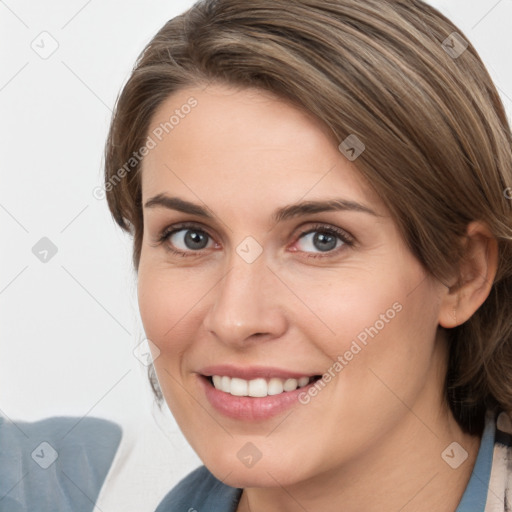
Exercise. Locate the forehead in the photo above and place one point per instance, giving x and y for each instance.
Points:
(246, 144)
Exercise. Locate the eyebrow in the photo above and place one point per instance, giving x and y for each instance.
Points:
(279, 215)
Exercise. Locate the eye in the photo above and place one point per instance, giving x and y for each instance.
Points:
(324, 239)
(184, 239)
(190, 239)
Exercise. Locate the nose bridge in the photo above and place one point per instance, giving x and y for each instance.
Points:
(246, 299)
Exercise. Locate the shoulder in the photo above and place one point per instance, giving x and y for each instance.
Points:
(150, 460)
(200, 490)
(500, 481)
(504, 429)
(55, 464)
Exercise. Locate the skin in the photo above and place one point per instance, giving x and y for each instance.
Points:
(372, 439)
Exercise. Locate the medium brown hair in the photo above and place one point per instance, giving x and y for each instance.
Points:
(392, 73)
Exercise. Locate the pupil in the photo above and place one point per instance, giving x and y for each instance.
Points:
(193, 239)
(324, 244)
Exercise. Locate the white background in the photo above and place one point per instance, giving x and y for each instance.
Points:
(68, 326)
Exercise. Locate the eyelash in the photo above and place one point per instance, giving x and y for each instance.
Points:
(345, 237)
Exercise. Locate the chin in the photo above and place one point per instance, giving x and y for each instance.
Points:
(272, 472)
(242, 477)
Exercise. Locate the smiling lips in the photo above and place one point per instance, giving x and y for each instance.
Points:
(253, 394)
(259, 387)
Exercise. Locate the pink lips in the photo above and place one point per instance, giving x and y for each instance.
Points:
(249, 373)
(245, 407)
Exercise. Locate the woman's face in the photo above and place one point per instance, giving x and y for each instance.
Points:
(267, 291)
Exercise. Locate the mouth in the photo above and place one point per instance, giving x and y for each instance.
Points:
(255, 394)
(259, 387)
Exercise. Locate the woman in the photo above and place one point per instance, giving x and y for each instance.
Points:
(317, 192)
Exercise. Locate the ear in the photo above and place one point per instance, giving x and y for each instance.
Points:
(475, 279)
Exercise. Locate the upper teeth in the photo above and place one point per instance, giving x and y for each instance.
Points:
(257, 387)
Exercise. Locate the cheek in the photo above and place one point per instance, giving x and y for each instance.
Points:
(164, 300)
(172, 307)
(351, 307)
(389, 351)
(386, 320)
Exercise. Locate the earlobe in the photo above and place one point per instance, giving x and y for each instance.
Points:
(448, 313)
(477, 272)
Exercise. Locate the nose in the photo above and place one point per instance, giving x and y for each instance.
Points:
(246, 304)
